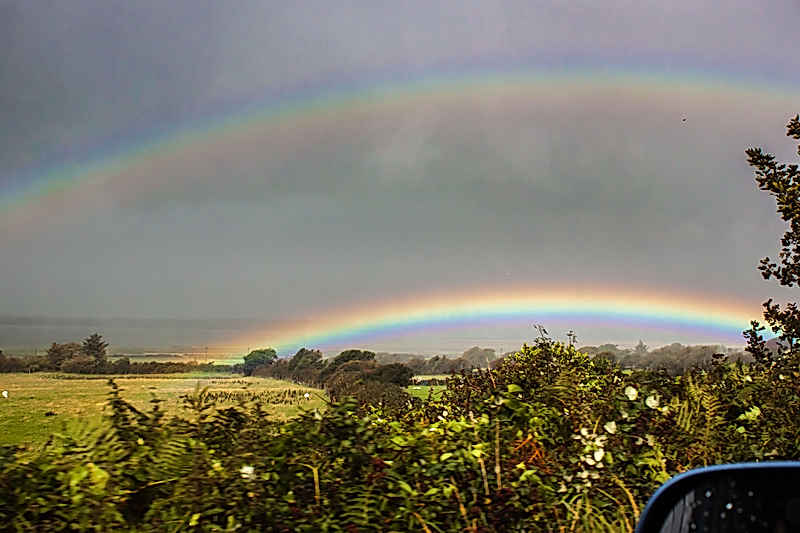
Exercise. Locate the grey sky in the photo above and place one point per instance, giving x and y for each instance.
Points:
(608, 189)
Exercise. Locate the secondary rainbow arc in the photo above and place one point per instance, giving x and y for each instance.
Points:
(124, 168)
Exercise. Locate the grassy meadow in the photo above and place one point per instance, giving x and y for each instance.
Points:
(40, 404)
(422, 391)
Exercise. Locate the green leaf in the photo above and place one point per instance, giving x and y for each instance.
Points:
(406, 487)
(399, 440)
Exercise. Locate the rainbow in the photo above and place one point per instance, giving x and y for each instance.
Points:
(646, 308)
(292, 122)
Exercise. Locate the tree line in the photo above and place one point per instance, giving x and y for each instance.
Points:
(91, 357)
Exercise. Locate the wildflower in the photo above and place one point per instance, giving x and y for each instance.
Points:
(247, 471)
(631, 393)
(651, 401)
(610, 427)
(140, 441)
(598, 454)
(5, 394)
(307, 396)
(444, 414)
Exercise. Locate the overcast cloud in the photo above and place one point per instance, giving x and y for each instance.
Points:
(602, 188)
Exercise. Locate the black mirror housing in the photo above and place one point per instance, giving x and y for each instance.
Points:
(739, 497)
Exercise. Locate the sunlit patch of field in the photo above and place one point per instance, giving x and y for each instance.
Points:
(426, 377)
(422, 391)
(40, 404)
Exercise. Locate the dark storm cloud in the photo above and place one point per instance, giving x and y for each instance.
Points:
(602, 190)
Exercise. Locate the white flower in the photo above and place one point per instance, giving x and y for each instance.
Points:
(651, 401)
(444, 413)
(247, 471)
(5, 394)
(631, 393)
(598, 455)
(307, 396)
(610, 427)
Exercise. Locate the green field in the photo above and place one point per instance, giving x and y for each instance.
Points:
(421, 391)
(42, 403)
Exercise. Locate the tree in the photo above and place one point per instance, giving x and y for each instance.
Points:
(256, 358)
(344, 357)
(305, 358)
(479, 357)
(95, 347)
(641, 348)
(783, 182)
(396, 373)
(58, 353)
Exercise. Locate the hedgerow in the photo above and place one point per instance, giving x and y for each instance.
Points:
(552, 439)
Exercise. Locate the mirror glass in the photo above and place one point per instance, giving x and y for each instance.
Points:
(750, 498)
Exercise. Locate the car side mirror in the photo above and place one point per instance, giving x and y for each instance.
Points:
(751, 497)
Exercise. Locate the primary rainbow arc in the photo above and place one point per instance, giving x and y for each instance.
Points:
(369, 322)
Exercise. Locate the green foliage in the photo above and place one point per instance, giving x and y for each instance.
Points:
(305, 359)
(58, 353)
(345, 357)
(93, 346)
(552, 439)
(783, 182)
(257, 358)
(395, 373)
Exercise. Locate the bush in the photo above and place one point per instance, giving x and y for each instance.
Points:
(81, 364)
(549, 440)
(395, 373)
